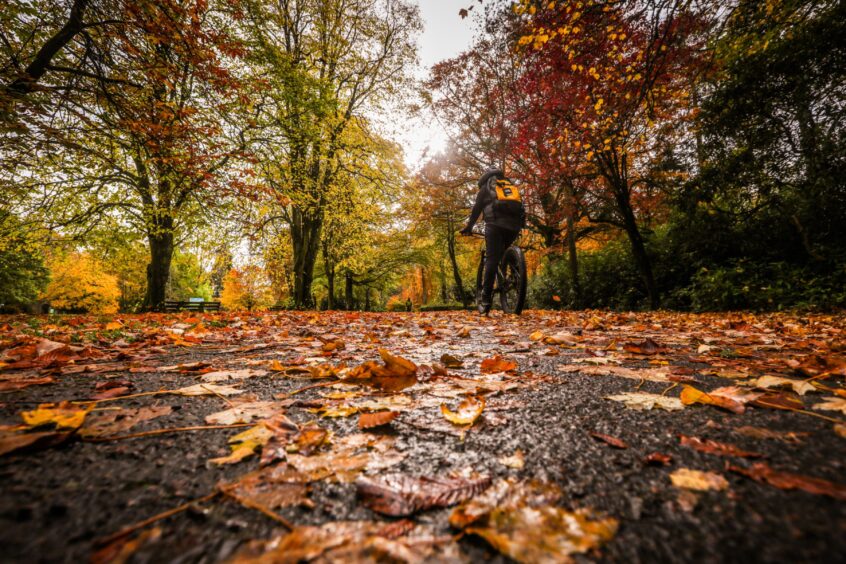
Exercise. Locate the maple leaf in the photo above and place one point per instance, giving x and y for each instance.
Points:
(497, 364)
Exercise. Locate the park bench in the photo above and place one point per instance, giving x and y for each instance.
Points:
(172, 305)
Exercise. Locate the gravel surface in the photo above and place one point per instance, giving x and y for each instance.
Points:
(57, 502)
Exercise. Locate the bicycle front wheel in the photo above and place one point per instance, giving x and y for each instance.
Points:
(512, 281)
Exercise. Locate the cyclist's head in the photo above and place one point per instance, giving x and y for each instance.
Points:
(490, 172)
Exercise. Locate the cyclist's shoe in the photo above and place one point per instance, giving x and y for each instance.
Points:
(484, 306)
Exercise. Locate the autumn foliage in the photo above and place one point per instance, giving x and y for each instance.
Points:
(246, 288)
(78, 283)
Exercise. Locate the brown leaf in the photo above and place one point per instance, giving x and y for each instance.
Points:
(608, 439)
(377, 419)
(713, 447)
(450, 361)
(647, 346)
(762, 472)
(9, 383)
(762, 433)
(778, 401)
(400, 494)
(105, 423)
(658, 459)
(15, 438)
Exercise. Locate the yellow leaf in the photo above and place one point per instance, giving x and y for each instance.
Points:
(698, 480)
(64, 415)
(468, 412)
(245, 444)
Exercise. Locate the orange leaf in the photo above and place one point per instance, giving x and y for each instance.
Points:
(370, 420)
(691, 395)
(468, 411)
(497, 364)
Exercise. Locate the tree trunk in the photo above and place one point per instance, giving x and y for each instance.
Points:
(573, 260)
(456, 274)
(641, 258)
(305, 237)
(367, 299)
(348, 290)
(158, 270)
(442, 276)
(330, 278)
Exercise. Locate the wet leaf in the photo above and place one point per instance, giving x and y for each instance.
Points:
(645, 401)
(691, 395)
(122, 549)
(698, 480)
(468, 411)
(207, 390)
(377, 419)
(10, 383)
(115, 422)
(762, 472)
(497, 364)
(832, 404)
(227, 375)
(658, 459)
(450, 361)
(16, 438)
(245, 413)
(799, 386)
(761, 433)
(609, 440)
(516, 460)
(713, 447)
(63, 415)
(401, 494)
(245, 444)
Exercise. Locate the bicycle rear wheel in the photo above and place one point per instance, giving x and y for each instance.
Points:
(511, 280)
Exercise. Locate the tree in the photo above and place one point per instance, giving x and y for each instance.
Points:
(325, 64)
(22, 271)
(246, 288)
(78, 283)
(620, 73)
(145, 135)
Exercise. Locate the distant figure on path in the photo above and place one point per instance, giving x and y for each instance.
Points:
(505, 217)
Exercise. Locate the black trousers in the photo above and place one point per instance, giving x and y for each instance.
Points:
(497, 241)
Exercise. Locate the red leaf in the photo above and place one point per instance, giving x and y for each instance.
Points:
(713, 447)
(613, 441)
(762, 472)
(370, 420)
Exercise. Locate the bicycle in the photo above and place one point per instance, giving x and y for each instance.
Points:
(510, 282)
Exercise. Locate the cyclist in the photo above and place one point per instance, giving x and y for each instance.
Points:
(505, 217)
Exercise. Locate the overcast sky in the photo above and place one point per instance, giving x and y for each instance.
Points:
(445, 35)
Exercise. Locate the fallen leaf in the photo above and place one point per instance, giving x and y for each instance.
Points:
(245, 413)
(245, 444)
(207, 390)
(121, 550)
(114, 422)
(658, 459)
(778, 400)
(643, 400)
(227, 375)
(608, 439)
(377, 419)
(468, 411)
(713, 447)
(761, 433)
(516, 460)
(649, 374)
(450, 361)
(647, 347)
(16, 438)
(63, 415)
(698, 480)
(497, 364)
(840, 429)
(762, 472)
(832, 404)
(691, 395)
(801, 387)
(10, 383)
(400, 494)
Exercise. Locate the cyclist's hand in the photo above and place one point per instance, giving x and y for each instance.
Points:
(467, 231)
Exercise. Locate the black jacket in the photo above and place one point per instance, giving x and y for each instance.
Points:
(484, 205)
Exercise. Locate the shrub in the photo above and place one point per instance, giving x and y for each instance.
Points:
(78, 284)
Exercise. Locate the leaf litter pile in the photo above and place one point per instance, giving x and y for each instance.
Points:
(423, 437)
